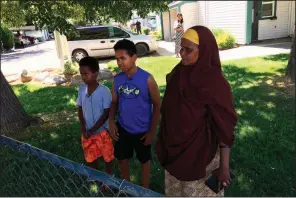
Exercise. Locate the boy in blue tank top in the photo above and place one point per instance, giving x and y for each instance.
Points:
(136, 101)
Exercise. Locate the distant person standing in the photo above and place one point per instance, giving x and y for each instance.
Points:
(179, 32)
(18, 34)
(153, 25)
(138, 26)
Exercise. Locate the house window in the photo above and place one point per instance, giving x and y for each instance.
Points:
(268, 9)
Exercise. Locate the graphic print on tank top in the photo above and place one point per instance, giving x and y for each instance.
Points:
(129, 91)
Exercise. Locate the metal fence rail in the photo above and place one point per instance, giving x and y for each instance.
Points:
(28, 171)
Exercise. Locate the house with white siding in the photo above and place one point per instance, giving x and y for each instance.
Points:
(248, 21)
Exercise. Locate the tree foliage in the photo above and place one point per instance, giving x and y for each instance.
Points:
(61, 15)
(55, 15)
(6, 38)
(12, 14)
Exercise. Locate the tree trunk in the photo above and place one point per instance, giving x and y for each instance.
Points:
(290, 72)
(13, 118)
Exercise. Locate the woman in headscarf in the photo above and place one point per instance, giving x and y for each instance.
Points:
(198, 119)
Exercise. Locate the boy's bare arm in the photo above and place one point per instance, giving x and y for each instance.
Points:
(114, 105)
(155, 96)
(113, 130)
(101, 121)
(80, 117)
(82, 121)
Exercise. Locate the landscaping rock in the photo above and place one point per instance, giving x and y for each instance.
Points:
(68, 76)
(13, 78)
(58, 80)
(25, 77)
(105, 74)
(24, 72)
(76, 80)
(41, 77)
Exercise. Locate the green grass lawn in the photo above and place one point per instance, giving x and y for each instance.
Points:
(262, 157)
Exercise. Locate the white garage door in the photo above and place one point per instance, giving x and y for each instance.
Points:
(190, 14)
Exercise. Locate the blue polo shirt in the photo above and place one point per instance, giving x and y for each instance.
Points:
(93, 105)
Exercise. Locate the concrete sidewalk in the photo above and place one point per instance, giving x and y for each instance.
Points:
(168, 49)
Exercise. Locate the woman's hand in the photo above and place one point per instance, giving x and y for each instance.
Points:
(223, 173)
(223, 177)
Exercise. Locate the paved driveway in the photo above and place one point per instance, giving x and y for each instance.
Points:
(36, 57)
(43, 56)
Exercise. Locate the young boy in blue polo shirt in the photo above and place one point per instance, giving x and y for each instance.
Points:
(93, 104)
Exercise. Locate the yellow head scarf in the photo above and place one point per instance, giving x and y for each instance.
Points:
(192, 36)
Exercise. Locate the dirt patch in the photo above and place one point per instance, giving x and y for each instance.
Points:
(283, 84)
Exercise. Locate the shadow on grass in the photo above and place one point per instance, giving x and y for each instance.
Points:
(17, 56)
(43, 100)
(263, 149)
(263, 154)
(277, 57)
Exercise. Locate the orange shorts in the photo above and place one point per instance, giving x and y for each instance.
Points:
(99, 145)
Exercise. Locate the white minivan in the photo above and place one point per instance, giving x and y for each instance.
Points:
(98, 41)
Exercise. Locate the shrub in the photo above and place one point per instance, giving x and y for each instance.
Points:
(146, 31)
(154, 33)
(70, 68)
(6, 37)
(217, 32)
(225, 39)
(157, 35)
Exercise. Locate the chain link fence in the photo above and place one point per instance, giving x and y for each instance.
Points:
(29, 171)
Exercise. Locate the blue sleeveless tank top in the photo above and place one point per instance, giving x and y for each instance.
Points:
(135, 104)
